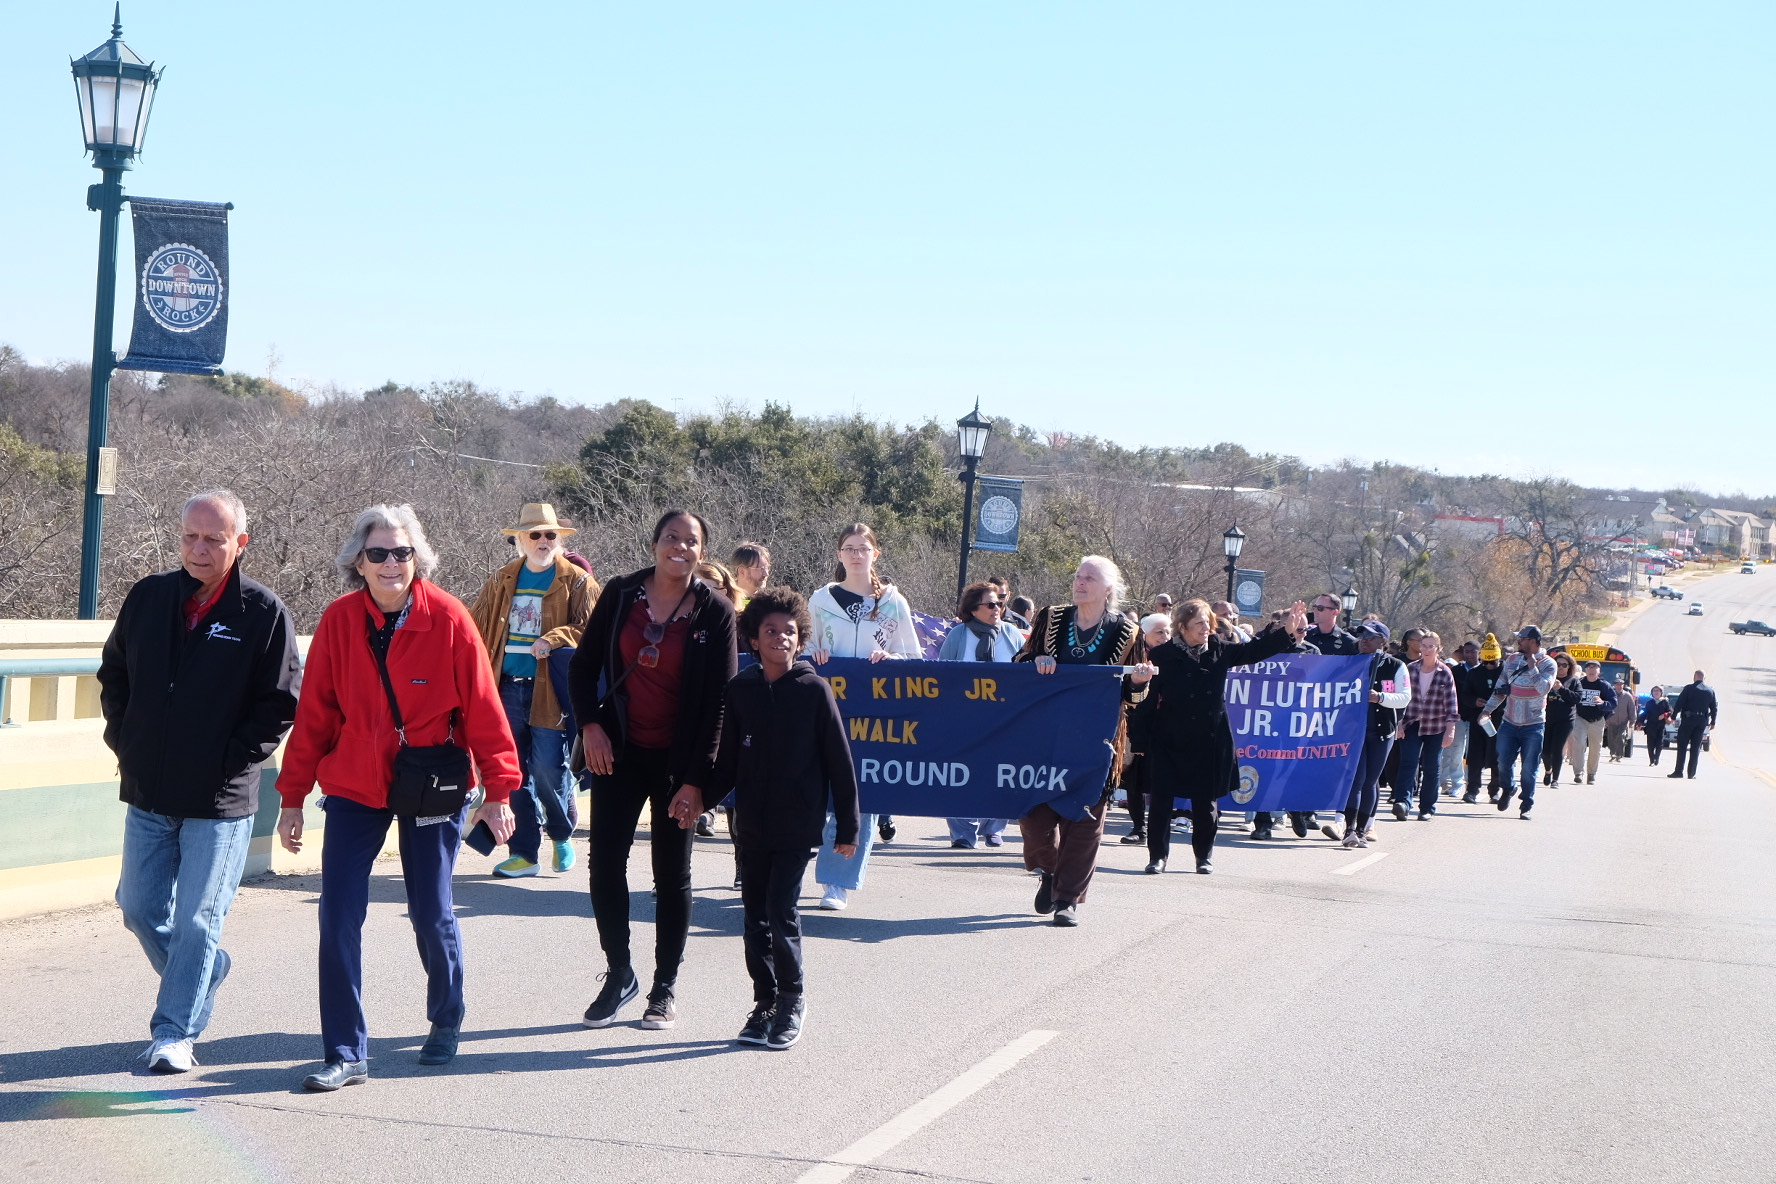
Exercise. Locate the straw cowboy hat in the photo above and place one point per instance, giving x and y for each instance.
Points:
(538, 516)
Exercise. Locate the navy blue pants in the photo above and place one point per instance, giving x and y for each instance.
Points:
(350, 842)
(1365, 787)
(1420, 755)
(770, 883)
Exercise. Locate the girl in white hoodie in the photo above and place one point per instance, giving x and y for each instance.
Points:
(856, 616)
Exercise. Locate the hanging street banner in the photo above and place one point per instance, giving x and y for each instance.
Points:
(1001, 513)
(1248, 592)
(181, 323)
(1298, 724)
(976, 739)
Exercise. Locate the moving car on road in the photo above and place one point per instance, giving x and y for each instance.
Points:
(1695, 609)
(1748, 568)
(1666, 592)
(1753, 627)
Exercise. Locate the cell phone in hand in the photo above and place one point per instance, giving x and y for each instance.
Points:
(480, 839)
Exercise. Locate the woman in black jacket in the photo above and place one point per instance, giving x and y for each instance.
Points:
(647, 684)
(1653, 718)
(1191, 748)
(1561, 700)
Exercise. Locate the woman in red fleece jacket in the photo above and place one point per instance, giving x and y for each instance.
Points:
(345, 739)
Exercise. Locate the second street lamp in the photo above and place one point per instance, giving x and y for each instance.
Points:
(1350, 604)
(971, 441)
(116, 91)
(1233, 541)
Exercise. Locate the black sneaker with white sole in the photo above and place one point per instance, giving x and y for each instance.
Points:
(757, 1029)
(1045, 901)
(662, 1009)
(620, 988)
(786, 1023)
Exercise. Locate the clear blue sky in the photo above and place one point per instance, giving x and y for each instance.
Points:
(1512, 237)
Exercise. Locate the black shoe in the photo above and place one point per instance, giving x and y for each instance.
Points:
(1202, 867)
(1692, 776)
(1470, 798)
(885, 832)
(736, 881)
(1298, 824)
(959, 845)
(1675, 776)
(757, 1029)
(1261, 832)
(1588, 781)
(1399, 812)
(704, 829)
(1045, 898)
(335, 1074)
(1156, 867)
(786, 1024)
(1504, 801)
(1523, 814)
(620, 987)
(1425, 815)
(1067, 914)
(662, 1009)
(1133, 837)
(440, 1046)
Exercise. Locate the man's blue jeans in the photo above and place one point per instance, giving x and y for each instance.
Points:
(1519, 741)
(547, 798)
(179, 877)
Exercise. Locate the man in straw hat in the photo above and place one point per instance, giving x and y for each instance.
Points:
(538, 602)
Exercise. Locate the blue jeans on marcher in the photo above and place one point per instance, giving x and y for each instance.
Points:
(1420, 755)
(1519, 741)
(833, 869)
(546, 801)
(350, 843)
(179, 877)
(972, 830)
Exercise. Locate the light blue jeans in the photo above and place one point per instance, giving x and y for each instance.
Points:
(972, 830)
(179, 877)
(833, 869)
(1451, 773)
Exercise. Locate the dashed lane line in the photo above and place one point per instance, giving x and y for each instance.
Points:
(1351, 869)
(923, 1112)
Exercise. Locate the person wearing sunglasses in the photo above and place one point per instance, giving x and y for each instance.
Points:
(538, 602)
(647, 685)
(981, 634)
(395, 636)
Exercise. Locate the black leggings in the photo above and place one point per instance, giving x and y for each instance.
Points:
(1554, 738)
(640, 777)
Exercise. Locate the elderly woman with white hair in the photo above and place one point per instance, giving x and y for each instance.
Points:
(397, 698)
(1088, 632)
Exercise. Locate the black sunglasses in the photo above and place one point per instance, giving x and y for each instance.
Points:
(537, 536)
(384, 554)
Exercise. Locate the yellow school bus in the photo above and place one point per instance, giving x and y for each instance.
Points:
(1613, 660)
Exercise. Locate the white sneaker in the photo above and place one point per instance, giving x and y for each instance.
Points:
(835, 898)
(171, 1056)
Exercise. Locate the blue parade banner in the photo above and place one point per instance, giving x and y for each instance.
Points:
(1298, 724)
(978, 740)
(1001, 513)
(181, 323)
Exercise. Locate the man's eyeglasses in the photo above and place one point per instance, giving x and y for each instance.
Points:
(384, 554)
(1326, 608)
(537, 536)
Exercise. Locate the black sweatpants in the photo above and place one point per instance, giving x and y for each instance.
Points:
(770, 883)
(1482, 758)
(640, 778)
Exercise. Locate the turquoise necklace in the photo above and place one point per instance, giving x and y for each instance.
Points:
(1078, 648)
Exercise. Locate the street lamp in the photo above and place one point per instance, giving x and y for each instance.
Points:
(1350, 604)
(116, 91)
(971, 441)
(1233, 540)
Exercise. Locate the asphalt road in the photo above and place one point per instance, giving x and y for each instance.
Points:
(1588, 996)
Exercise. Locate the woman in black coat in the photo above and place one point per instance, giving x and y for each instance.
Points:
(1191, 744)
(1562, 699)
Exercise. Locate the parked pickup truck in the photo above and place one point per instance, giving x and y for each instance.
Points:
(1666, 592)
(1757, 627)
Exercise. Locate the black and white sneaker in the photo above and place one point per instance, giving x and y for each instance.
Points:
(620, 987)
(757, 1029)
(1045, 900)
(1066, 914)
(1133, 837)
(885, 832)
(662, 1009)
(786, 1024)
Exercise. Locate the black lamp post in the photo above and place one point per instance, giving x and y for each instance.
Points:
(1233, 540)
(971, 441)
(1350, 604)
(116, 91)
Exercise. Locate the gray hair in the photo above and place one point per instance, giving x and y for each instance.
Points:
(384, 518)
(237, 510)
(1112, 576)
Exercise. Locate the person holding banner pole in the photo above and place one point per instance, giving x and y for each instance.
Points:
(1390, 692)
(1063, 852)
(981, 635)
(857, 616)
(1192, 750)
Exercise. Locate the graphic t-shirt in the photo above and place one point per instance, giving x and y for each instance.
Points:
(525, 622)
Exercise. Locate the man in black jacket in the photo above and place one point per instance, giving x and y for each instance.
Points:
(1474, 683)
(1696, 709)
(198, 686)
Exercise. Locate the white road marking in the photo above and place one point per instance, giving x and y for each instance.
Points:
(922, 1113)
(1351, 869)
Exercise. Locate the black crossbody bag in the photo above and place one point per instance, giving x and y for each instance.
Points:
(428, 782)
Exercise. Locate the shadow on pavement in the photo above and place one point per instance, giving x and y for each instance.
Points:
(851, 927)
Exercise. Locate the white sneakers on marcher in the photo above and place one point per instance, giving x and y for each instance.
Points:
(836, 898)
(171, 1056)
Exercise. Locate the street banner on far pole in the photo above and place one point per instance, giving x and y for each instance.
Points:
(1001, 513)
(1248, 592)
(181, 322)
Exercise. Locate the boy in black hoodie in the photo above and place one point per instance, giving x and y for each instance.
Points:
(784, 754)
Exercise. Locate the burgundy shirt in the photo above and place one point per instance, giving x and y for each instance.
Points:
(653, 690)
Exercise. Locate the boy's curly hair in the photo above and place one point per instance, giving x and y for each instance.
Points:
(776, 600)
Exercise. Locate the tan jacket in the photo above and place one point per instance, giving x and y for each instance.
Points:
(567, 606)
